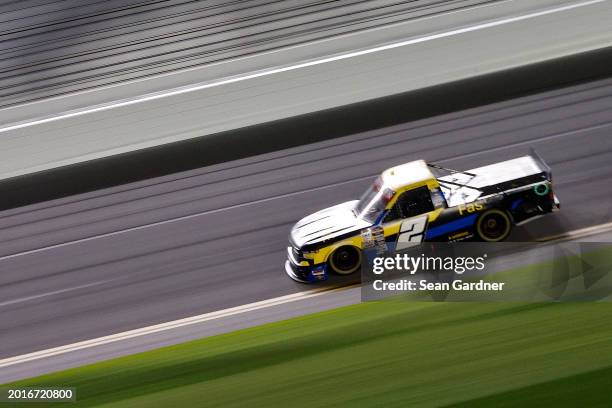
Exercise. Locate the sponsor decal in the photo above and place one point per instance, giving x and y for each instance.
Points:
(472, 207)
(318, 273)
(374, 238)
(541, 189)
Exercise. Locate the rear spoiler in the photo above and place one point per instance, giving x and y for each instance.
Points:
(541, 163)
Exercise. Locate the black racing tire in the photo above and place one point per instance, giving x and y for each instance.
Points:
(493, 225)
(345, 260)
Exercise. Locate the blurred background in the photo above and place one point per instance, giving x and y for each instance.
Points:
(154, 155)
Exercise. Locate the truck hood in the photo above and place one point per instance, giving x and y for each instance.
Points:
(327, 224)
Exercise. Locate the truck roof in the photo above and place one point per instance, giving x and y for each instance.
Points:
(407, 174)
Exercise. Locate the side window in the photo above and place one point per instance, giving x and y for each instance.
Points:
(411, 203)
(394, 213)
(415, 202)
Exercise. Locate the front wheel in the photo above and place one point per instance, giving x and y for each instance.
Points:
(493, 225)
(345, 260)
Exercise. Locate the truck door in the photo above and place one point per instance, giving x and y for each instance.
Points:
(406, 222)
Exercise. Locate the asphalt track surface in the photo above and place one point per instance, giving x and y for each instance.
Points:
(208, 239)
(58, 47)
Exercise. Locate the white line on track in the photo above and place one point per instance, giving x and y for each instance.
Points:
(185, 217)
(55, 292)
(533, 141)
(167, 326)
(580, 233)
(280, 196)
(277, 70)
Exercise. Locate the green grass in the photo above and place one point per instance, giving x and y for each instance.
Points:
(391, 353)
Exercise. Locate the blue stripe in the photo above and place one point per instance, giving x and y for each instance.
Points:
(516, 203)
(380, 217)
(451, 226)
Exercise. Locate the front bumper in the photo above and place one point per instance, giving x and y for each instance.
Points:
(304, 273)
(291, 270)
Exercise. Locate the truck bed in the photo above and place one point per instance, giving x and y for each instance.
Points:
(491, 179)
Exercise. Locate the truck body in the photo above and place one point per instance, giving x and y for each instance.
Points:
(418, 202)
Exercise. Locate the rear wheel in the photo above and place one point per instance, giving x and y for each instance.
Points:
(345, 260)
(493, 225)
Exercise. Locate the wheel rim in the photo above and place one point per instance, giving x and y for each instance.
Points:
(345, 260)
(494, 226)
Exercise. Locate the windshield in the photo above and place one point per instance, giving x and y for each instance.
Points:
(374, 201)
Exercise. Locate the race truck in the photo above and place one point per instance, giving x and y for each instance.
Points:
(416, 202)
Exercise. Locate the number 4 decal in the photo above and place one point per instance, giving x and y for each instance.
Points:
(412, 232)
